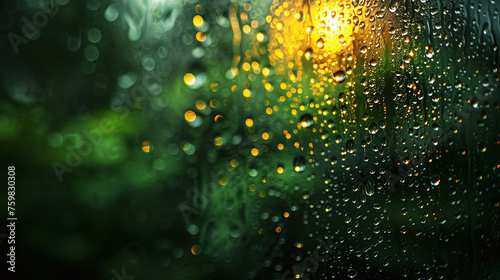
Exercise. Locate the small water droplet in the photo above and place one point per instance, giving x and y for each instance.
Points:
(387, 260)
(435, 180)
(320, 43)
(299, 16)
(351, 273)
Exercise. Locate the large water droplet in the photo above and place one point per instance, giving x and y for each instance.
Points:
(339, 76)
(393, 6)
(306, 121)
(373, 129)
(308, 54)
(369, 186)
(351, 273)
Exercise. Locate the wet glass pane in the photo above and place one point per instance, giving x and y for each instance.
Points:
(246, 139)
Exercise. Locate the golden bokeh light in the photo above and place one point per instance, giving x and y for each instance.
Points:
(146, 146)
(249, 122)
(198, 21)
(196, 249)
(189, 79)
(190, 116)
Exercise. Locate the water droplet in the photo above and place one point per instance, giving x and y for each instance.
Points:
(355, 20)
(373, 129)
(308, 54)
(91, 53)
(435, 180)
(306, 121)
(382, 124)
(387, 260)
(364, 117)
(112, 12)
(393, 6)
(369, 186)
(429, 52)
(403, 229)
(196, 249)
(310, 29)
(348, 218)
(350, 146)
(320, 43)
(351, 273)
(339, 76)
(306, 195)
(94, 35)
(299, 163)
(299, 16)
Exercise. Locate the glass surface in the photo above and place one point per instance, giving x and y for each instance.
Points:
(246, 139)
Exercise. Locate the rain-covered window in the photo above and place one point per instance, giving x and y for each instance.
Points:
(247, 139)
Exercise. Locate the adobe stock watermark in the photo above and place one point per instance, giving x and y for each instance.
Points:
(122, 276)
(95, 137)
(201, 196)
(31, 28)
(310, 264)
(200, 200)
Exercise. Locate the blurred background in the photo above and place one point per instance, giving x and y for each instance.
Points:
(162, 139)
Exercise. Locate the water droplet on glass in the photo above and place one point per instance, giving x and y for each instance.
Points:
(373, 129)
(112, 12)
(339, 76)
(369, 186)
(350, 146)
(320, 43)
(435, 180)
(308, 54)
(306, 121)
(387, 260)
(393, 6)
(429, 52)
(299, 16)
(348, 218)
(351, 273)
(299, 163)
